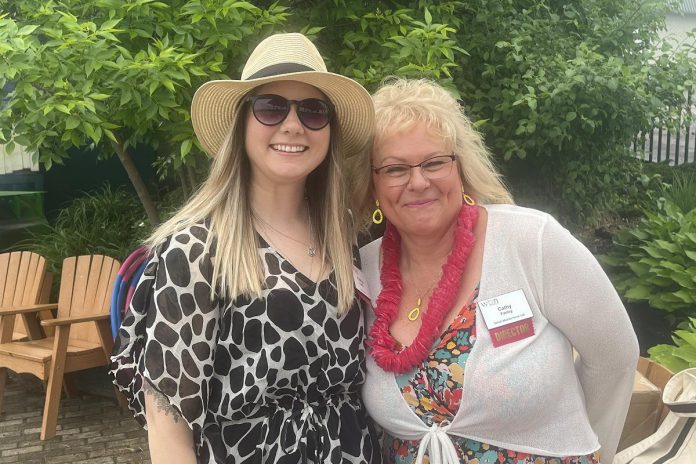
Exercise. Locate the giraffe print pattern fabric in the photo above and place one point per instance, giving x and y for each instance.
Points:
(266, 381)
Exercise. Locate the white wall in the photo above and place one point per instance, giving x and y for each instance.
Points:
(678, 26)
(19, 159)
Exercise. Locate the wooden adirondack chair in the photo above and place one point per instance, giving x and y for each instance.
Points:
(23, 282)
(82, 337)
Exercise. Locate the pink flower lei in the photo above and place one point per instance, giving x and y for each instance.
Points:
(383, 347)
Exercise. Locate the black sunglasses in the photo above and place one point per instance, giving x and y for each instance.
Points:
(271, 110)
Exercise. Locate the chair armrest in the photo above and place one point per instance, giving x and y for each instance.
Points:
(74, 320)
(27, 309)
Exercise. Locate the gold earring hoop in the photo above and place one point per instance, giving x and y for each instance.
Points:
(377, 216)
(467, 199)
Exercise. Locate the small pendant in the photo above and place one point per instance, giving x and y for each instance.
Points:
(311, 251)
(415, 312)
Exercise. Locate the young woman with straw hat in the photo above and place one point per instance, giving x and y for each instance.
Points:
(244, 340)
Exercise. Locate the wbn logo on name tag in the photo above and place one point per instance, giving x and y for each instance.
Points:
(508, 317)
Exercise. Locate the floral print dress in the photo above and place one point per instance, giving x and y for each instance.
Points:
(434, 392)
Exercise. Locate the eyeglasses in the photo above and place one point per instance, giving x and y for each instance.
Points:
(271, 110)
(396, 175)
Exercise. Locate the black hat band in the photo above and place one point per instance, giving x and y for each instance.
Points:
(280, 68)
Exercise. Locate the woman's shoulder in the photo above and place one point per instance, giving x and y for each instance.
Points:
(506, 215)
(508, 210)
(519, 226)
(187, 237)
(370, 261)
(187, 249)
(375, 244)
(197, 232)
(370, 251)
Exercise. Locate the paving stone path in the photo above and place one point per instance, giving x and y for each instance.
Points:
(91, 428)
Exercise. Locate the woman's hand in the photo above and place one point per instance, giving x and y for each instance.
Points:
(169, 436)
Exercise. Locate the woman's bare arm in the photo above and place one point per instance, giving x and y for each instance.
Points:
(169, 436)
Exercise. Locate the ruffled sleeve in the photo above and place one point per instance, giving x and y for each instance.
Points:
(169, 335)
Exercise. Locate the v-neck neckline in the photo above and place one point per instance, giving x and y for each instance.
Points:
(265, 244)
(471, 300)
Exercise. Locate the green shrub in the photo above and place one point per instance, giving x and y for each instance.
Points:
(656, 261)
(682, 354)
(681, 190)
(598, 185)
(108, 222)
(568, 85)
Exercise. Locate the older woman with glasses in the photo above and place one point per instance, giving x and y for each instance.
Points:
(479, 305)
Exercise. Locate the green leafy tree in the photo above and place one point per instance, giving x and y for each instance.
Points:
(112, 74)
(369, 41)
(559, 88)
(566, 86)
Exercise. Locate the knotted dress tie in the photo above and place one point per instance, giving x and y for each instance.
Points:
(439, 447)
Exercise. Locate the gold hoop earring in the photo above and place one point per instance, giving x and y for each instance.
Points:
(467, 199)
(377, 216)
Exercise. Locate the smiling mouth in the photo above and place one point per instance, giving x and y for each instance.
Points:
(290, 148)
(415, 204)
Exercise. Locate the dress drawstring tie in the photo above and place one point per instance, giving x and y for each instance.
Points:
(439, 447)
(296, 430)
(306, 421)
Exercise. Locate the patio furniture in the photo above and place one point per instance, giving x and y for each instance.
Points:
(24, 282)
(82, 337)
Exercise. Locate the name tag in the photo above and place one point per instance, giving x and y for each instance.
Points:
(361, 284)
(508, 317)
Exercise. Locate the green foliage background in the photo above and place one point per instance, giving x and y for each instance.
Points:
(656, 261)
(106, 222)
(682, 354)
(558, 88)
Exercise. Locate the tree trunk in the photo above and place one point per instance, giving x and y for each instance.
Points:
(137, 181)
(191, 177)
(183, 181)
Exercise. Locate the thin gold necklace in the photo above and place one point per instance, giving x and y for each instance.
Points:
(309, 274)
(414, 314)
(311, 249)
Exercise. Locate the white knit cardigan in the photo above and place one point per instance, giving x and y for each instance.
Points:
(529, 396)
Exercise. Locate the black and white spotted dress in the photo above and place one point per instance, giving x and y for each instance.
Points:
(263, 381)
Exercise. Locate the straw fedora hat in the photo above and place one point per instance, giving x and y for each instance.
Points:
(291, 56)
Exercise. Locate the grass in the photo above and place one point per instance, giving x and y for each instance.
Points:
(682, 189)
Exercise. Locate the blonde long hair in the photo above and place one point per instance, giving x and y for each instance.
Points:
(402, 103)
(224, 200)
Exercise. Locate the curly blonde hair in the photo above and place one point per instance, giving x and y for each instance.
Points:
(401, 104)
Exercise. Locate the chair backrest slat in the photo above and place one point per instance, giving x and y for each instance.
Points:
(95, 274)
(102, 299)
(21, 278)
(92, 277)
(37, 274)
(65, 293)
(11, 279)
(79, 288)
(4, 269)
